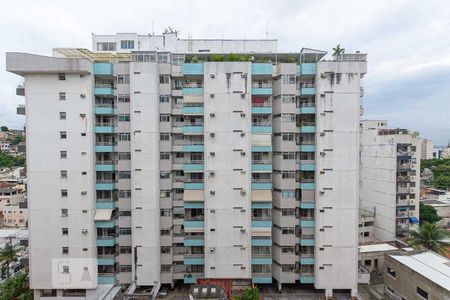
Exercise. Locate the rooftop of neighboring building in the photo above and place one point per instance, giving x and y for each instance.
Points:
(431, 265)
(379, 247)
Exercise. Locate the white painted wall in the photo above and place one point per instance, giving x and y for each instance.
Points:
(227, 202)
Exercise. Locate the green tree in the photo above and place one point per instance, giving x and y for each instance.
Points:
(8, 161)
(430, 236)
(428, 214)
(441, 182)
(338, 51)
(8, 254)
(251, 294)
(17, 139)
(16, 288)
(4, 129)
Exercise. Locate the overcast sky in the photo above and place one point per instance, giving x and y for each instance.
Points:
(408, 42)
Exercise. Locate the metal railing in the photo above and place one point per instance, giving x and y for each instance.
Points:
(307, 85)
(106, 162)
(106, 144)
(262, 162)
(262, 218)
(307, 104)
(262, 104)
(261, 124)
(261, 180)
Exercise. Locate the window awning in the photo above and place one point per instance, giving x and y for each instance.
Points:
(193, 195)
(103, 214)
(413, 220)
(261, 195)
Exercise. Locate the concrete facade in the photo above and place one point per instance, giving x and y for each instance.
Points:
(427, 149)
(390, 178)
(165, 163)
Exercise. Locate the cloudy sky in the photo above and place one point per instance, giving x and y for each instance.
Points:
(408, 42)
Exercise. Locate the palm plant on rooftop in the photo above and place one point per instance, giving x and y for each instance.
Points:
(338, 51)
(430, 236)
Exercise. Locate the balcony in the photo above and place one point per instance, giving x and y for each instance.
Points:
(196, 240)
(106, 260)
(307, 205)
(261, 90)
(262, 278)
(105, 166)
(307, 127)
(262, 242)
(403, 190)
(307, 147)
(105, 147)
(194, 259)
(403, 202)
(307, 165)
(261, 110)
(307, 222)
(404, 155)
(307, 278)
(105, 241)
(262, 260)
(261, 148)
(193, 128)
(104, 91)
(259, 224)
(307, 185)
(404, 178)
(193, 110)
(261, 185)
(106, 278)
(194, 148)
(105, 204)
(193, 69)
(105, 128)
(103, 109)
(307, 108)
(307, 89)
(193, 166)
(105, 224)
(261, 166)
(105, 185)
(404, 167)
(262, 128)
(104, 69)
(308, 69)
(307, 240)
(191, 278)
(307, 259)
(194, 224)
(262, 69)
(193, 91)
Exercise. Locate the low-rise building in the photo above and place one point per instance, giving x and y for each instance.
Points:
(442, 208)
(5, 146)
(412, 275)
(15, 215)
(366, 228)
(10, 196)
(13, 236)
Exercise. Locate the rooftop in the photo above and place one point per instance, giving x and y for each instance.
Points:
(432, 266)
(376, 248)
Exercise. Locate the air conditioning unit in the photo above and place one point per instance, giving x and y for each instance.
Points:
(84, 193)
(212, 115)
(243, 115)
(243, 153)
(242, 230)
(242, 268)
(322, 134)
(212, 75)
(212, 153)
(244, 75)
(212, 192)
(321, 192)
(212, 249)
(212, 134)
(84, 231)
(242, 210)
(211, 95)
(82, 115)
(243, 172)
(323, 75)
(83, 96)
(322, 153)
(243, 96)
(242, 134)
(212, 173)
(242, 192)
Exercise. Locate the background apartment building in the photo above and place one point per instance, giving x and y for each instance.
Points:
(155, 159)
(390, 178)
(427, 149)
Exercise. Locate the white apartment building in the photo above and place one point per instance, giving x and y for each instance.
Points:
(154, 159)
(427, 149)
(390, 178)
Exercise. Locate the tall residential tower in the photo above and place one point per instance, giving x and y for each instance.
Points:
(154, 159)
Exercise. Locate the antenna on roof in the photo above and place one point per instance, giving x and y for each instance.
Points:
(153, 27)
(267, 29)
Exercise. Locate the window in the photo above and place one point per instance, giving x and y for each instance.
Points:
(65, 231)
(64, 193)
(63, 154)
(287, 211)
(63, 173)
(165, 231)
(124, 118)
(288, 155)
(288, 193)
(123, 98)
(164, 136)
(164, 193)
(164, 155)
(178, 59)
(48, 293)
(124, 137)
(65, 269)
(164, 175)
(164, 98)
(125, 213)
(61, 76)
(164, 79)
(106, 46)
(124, 155)
(288, 79)
(288, 249)
(163, 58)
(166, 249)
(422, 293)
(288, 136)
(165, 212)
(391, 272)
(164, 118)
(62, 134)
(64, 212)
(62, 115)
(166, 268)
(127, 44)
(125, 231)
(125, 268)
(287, 268)
(124, 174)
(288, 98)
(125, 249)
(62, 96)
(288, 174)
(287, 118)
(125, 193)
(123, 78)
(287, 230)
(65, 250)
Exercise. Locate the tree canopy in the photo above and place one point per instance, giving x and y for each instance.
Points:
(428, 214)
(9, 161)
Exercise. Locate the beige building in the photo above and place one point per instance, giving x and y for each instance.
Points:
(10, 197)
(427, 149)
(442, 207)
(424, 275)
(15, 216)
